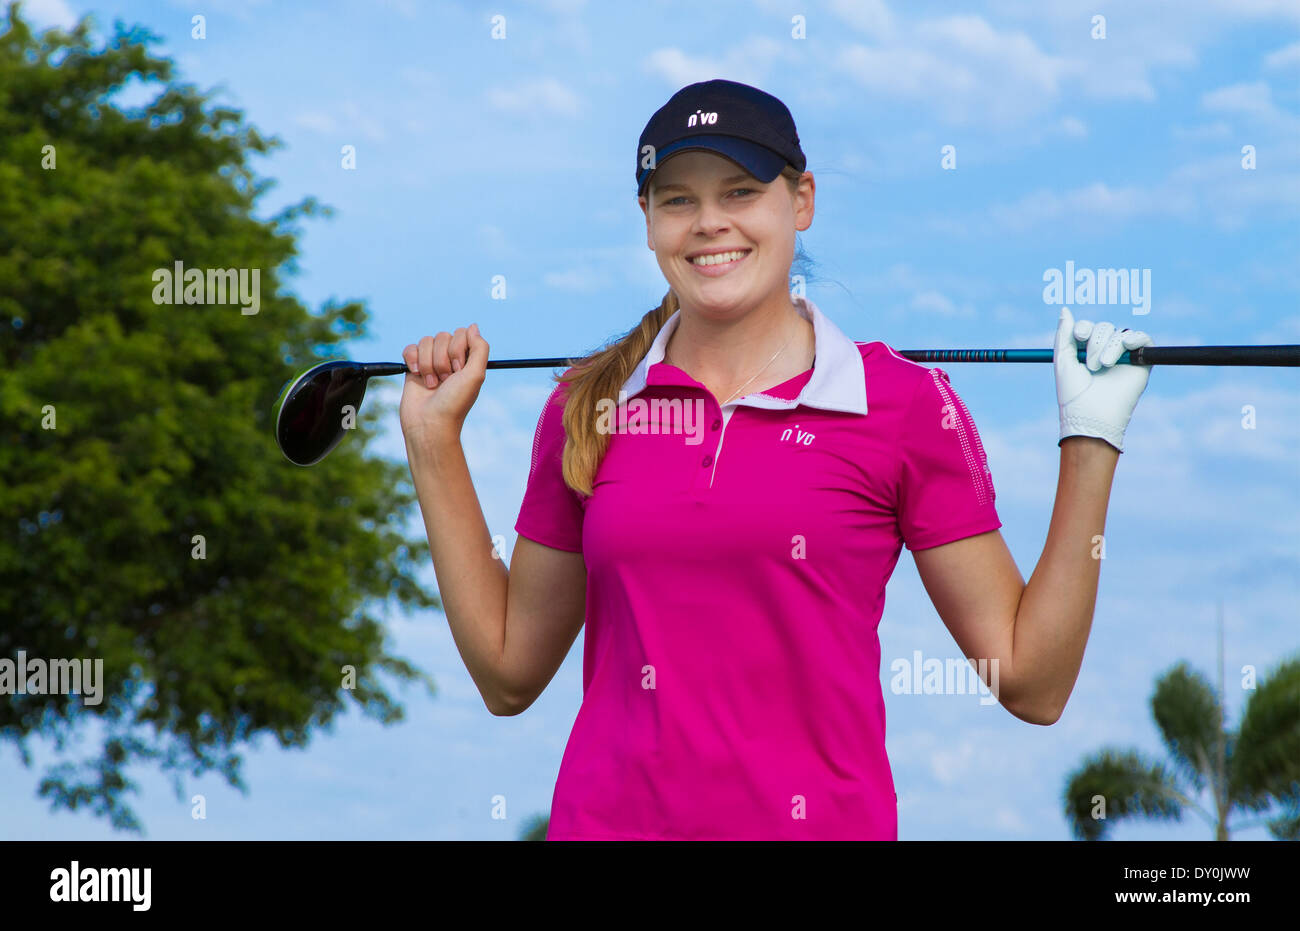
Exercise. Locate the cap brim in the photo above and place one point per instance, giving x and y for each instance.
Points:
(761, 162)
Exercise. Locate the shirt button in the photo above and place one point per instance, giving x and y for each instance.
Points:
(708, 461)
(716, 424)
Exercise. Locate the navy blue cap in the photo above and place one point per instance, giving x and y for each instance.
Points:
(743, 123)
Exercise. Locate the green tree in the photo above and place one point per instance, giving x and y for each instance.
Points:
(133, 434)
(1251, 769)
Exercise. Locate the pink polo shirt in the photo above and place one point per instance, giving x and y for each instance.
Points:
(736, 567)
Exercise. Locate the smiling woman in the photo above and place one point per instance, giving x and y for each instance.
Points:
(730, 640)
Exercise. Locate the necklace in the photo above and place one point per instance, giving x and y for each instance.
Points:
(755, 375)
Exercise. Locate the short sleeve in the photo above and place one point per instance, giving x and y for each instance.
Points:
(552, 512)
(945, 489)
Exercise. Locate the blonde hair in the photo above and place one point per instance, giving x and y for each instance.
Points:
(601, 374)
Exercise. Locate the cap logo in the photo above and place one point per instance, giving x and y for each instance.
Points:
(700, 118)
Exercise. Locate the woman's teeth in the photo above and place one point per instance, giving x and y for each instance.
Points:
(719, 258)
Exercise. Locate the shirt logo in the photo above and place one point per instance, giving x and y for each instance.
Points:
(797, 436)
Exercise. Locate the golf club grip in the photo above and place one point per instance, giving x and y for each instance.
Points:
(529, 363)
(1145, 355)
(1283, 355)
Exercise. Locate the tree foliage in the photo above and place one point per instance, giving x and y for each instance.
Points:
(130, 429)
(1255, 768)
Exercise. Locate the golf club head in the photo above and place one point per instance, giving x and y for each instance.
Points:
(310, 421)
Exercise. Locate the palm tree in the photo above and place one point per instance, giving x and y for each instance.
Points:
(1250, 769)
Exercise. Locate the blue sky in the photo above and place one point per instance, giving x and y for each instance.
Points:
(479, 157)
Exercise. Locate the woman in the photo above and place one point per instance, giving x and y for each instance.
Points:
(728, 542)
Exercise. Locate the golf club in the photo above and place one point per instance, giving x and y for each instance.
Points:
(312, 407)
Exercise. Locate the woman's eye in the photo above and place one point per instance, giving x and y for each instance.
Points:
(739, 190)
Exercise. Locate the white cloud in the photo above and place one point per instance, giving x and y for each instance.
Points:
(972, 72)
(242, 10)
(579, 280)
(1009, 820)
(1286, 57)
(1253, 9)
(972, 36)
(546, 95)
(1253, 102)
(749, 62)
(1175, 446)
(1120, 66)
(1173, 305)
(949, 764)
(1286, 330)
(1073, 126)
(679, 68)
(565, 8)
(1216, 130)
(421, 78)
(568, 32)
(493, 241)
(1126, 80)
(869, 16)
(407, 9)
(1254, 99)
(854, 162)
(933, 302)
(46, 13)
(349, 120)
(1023, 457)
(1274, 439)
(1234, 197)
(1194, 17)
(909, 73)
(316, 121)
(963, 67)
(1214, 189)
(361, 122)
(1009, 313)
(1094, 201)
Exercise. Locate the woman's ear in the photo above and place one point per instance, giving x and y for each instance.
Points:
(805, 197)
(644, 204)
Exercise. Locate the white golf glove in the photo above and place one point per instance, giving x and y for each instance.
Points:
(1097, 397)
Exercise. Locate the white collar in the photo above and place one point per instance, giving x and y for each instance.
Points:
(838, 381)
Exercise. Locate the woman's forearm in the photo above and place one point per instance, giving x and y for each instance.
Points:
(1056, 609)
(472, 583)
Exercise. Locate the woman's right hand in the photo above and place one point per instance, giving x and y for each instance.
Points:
(444, 375)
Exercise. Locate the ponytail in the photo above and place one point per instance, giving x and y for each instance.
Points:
(601, 375)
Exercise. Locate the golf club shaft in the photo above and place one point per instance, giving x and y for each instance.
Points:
(1279, 355)
(1147, 355)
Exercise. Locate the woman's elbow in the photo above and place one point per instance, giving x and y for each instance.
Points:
(1045, 715)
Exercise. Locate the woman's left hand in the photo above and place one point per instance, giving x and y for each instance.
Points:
(1097, 397)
